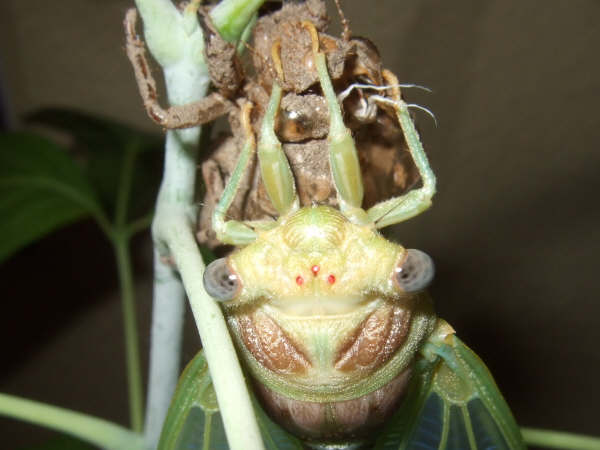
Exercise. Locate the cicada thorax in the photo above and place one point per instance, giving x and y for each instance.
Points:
(326, 379)
(303, 124)
(326, 334)
(331, 379)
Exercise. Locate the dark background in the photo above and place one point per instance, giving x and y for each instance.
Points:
(514, 230)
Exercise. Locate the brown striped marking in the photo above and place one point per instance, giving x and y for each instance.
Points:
(375, 340)
(270, 345)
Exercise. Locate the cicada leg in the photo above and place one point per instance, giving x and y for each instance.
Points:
(177, 116)
(274, 166)
(232, 231)
(343, 157)
(275, 172)
(401, 208)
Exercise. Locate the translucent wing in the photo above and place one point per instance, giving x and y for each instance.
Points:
(194, 422)
(453, 404)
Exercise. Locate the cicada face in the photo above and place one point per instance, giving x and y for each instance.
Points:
(327, 316)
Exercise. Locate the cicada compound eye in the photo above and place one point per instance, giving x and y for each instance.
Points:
(416, 271)
(220, 281)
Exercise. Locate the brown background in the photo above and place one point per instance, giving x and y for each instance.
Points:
(514, 229)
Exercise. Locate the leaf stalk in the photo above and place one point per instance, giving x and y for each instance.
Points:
(559, 439)
(88, 428)
(134, 373)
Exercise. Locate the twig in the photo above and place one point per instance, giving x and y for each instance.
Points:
(168, 310)
(176, 42)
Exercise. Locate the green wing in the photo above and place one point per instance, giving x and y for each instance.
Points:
(453, 404)
(194, 422)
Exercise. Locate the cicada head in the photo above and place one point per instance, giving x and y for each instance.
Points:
(327, 316)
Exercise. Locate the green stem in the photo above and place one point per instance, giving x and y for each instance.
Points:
(235, 404)
(121, 244)
(134, 377)
(125, 182)
(558, 439)
(91, 429)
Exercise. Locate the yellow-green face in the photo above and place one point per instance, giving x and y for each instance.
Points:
(316, 263)
(320, 315)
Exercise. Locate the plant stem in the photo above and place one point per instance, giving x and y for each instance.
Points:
(176, 195)
(558, 439)
(228, 380)
(168, 310)
(91, 429)
(173, 231)
(125, 181)
(176, 41)
(180, 55)
(134, 377)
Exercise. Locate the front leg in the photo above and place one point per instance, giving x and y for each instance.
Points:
(236, 232)
(177, 116)
(275, 168)
(343, 157)
(401, 208)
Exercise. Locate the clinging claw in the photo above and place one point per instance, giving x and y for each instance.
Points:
(275, 56)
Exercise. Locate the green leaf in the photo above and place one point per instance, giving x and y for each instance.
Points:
(96, 133)
(41, 189)
(208, 255)
(104, 146)
(231, 17)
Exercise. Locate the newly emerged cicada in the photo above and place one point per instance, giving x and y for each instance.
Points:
(331, 320)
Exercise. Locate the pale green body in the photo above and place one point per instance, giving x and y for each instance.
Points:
(318, 281)
(316, 314)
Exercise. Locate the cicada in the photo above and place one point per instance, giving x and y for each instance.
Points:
(331, 319)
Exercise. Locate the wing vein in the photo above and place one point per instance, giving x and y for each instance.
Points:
(207, 429)
(445, 427)
(469, 428)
